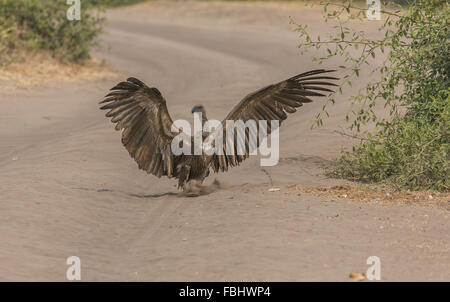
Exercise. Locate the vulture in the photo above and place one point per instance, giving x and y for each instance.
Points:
(140, 112)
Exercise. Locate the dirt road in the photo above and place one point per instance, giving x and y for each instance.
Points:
(68, 187)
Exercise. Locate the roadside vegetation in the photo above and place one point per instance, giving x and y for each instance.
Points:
(29, 26)
(113, 3)
(410, 148)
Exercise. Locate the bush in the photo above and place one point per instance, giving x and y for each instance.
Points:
(412, 152)
(30, 25)
(410, 149)
(113, 3)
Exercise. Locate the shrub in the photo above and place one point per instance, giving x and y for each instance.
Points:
(113, 2)
(410, 149)
(412, 152)
(28, 25)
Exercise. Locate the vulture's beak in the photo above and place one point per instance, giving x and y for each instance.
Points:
(198, 108)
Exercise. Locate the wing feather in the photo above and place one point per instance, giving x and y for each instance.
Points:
(272, 102)
(140, 112)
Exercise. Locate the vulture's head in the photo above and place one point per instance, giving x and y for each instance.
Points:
(199, 109)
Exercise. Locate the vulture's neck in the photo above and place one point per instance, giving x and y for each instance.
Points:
(204, 118)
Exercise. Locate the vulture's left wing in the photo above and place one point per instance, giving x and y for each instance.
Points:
(272, 103)
(141, 112)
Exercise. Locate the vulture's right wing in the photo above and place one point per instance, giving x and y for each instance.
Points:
(141, 112)
(272, 102)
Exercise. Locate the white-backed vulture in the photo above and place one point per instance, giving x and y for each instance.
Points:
(140, 112)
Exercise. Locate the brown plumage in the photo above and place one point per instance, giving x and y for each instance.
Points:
(141, 112)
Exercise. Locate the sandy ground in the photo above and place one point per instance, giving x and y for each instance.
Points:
(42, 68)
(68, 187)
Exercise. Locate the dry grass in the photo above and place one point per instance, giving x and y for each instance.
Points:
(42, 68)
(376, 195)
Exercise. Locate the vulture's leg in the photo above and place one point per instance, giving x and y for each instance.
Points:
(192, 189)
(195, 188)
(216, 183)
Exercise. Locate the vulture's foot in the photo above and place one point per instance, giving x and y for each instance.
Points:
(194, 188)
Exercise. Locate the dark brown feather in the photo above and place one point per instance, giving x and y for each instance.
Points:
(273, 103)
(141, 112)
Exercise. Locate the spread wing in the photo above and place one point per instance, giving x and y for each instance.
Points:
(272, 103)
(141, 112)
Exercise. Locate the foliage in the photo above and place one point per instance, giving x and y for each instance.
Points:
(412, 153)
(113, 3)
(410, 148)
(31, 25)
